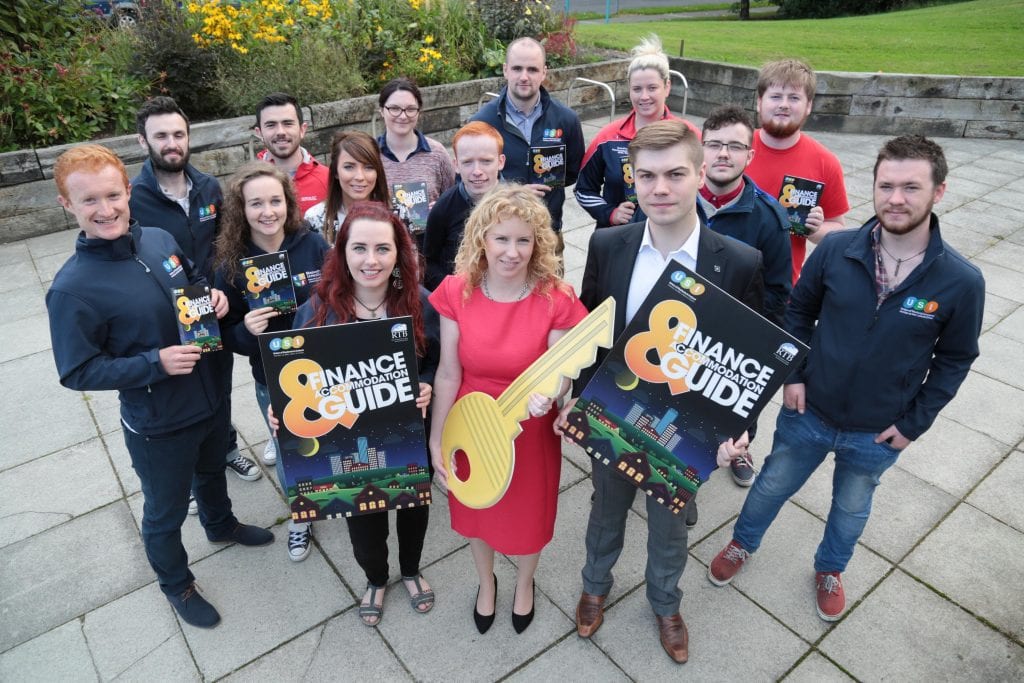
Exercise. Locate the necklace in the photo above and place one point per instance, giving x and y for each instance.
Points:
(372, 309)
(487, 292)
(899, 261)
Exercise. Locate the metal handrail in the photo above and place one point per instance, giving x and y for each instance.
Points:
(608, 89)
(686, 88)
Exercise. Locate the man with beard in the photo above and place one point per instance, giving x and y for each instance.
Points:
(733, 205)
(785, 94)
(279, 124)
(529, 119)
(170, 193)
(892, 315)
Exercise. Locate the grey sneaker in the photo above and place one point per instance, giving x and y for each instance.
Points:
(300, 541)
(244, 468)
(193, 506)
(270, 453)
(743, 471)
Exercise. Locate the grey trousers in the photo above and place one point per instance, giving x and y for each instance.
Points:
(666, 541)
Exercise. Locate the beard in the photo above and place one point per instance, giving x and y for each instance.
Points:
(781, 130)
(161, 164)
(908, 222)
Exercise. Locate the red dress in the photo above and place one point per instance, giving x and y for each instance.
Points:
(497, 342)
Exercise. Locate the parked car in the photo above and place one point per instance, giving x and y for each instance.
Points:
(120, 13)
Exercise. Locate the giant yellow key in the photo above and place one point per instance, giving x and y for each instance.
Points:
(485, 428)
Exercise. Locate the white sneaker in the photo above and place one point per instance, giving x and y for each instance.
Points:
(193, 506)
(300, 540)
(270, 453)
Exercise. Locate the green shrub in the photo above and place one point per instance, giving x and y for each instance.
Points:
(823, 9)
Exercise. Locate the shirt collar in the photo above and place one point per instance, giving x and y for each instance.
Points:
(421, 145)
(689, 247)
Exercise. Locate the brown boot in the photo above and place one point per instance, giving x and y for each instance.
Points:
(674, 637)
(589, 614)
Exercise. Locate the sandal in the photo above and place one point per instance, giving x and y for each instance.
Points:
(421, 598)
(371, 614)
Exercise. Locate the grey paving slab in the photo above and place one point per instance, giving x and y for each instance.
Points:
(16, 275)
(253, 502)
(570, 475)
(904, 508)
(136, 635)
(289, 599)
(715, 618)
(966, 241)
(106, 410)
(27, 336)
(817, 669)
(998, 494)
(951, 456)
(47, 267)
(996, 310)
(1001, 358)
(985, 176)
(989, 406)
(77, 480)
(1002, 281)
(1012, 325)
(15, 252)
(58, 655)
(572, 659)
(980, 216)
(780, 575)
(574, 257)
(913, 634)
(66, 571)
(62, 242)
(461, 653)
(1004, 197)
(562, 560)
(21, 303)
(978, 562)
(118, 453)
(245, 415)
(30, 423)
(339, 649)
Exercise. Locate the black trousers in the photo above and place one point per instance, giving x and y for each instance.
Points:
(369, 535)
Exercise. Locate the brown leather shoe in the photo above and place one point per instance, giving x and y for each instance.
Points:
(589, 614)
(674, 637)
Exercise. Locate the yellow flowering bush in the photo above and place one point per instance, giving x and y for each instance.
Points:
(255, 23)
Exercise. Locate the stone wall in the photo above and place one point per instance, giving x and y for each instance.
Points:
(877, 103)
(28, 204)
(887, 104)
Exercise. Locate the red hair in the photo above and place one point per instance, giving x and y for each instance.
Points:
(336, 290)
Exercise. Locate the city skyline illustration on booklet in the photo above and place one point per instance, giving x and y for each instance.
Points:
(798, 196)
(693, 368)
(351, 439)
(197, 321)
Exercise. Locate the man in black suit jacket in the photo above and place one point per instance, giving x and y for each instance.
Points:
(624, 263)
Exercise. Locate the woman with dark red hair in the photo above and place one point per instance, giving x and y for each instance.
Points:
(370, 274)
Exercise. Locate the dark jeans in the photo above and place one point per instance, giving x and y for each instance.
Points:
(168, 465)
(369, 535)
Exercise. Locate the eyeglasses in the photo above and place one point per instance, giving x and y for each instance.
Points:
(734, 147)
(395, 111)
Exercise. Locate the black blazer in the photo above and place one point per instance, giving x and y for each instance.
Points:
(724, 261)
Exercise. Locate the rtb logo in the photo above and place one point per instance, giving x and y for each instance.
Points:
(286, 343)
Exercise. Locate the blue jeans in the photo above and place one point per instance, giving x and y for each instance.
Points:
(801, 444)
(168, 465)
(263, 400)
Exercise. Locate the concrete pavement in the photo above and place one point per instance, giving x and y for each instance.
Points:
(934, 589)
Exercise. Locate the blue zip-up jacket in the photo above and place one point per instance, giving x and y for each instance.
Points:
(306, 251)
(901, 362)
(557, 125)
(111, 311)
(194, 232)
(756, 218)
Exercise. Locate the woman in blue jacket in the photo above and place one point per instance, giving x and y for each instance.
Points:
(372, 273)
(260, 215)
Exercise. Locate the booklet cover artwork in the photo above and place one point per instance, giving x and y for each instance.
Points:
(693, 368)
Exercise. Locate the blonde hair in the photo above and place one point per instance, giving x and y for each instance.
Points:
(503, 202)
(649, 55)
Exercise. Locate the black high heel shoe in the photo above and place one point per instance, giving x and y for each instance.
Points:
(484, 622)
(520, 622)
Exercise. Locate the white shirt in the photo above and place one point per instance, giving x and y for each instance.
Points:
(650, 263)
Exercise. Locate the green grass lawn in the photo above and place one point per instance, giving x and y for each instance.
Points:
(981, 38)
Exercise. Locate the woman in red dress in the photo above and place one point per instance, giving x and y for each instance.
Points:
(501, 310)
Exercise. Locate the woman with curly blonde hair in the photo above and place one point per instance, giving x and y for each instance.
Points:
(500, 311)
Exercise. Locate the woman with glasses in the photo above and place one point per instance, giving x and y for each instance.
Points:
(409, 156)
(605, 187)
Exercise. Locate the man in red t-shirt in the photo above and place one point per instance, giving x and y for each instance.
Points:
(279, 124)
(790, 164)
